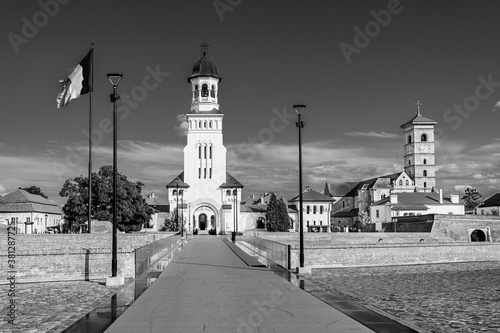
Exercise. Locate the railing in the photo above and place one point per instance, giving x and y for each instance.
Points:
(147, 255)
(274, 251)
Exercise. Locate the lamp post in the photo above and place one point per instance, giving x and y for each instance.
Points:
(177, 203)
(182, 213)
(300, 124)
(114, 78)
(46, 223)
(235, 193)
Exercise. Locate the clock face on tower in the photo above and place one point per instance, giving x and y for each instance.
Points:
(424, 148)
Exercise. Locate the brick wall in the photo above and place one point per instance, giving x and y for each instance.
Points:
(396, 254)
(61, 257)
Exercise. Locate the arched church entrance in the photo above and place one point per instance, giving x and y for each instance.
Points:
(204, 218)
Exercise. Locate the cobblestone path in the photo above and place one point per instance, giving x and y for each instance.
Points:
(456, 297)
(51, 307)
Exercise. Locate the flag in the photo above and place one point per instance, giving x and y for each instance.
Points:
(78, 83)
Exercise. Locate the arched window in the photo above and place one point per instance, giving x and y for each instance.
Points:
(400, 183)
(314, 209)
(425, 184)
(409, 162)
(423, 138)
(205, 124)
(409, 138)
(210, 124)
(196, 92)
(425, 161)
(425, 173)
(321, 209)
(205, 150)
(308, 209)
(212, 92)
(228, 193)
(181, 192)
(204, 90)
(174, 192)
(210, 151)
(199, 152)
(199, 124)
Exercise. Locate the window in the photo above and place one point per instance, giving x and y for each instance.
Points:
(181, 192)
(314, 210)
(409, 138)
(228, 193)
(407, 183)
(210, 173)
(174, 192)
(425, 173)
(205, 124)
(199, 124)
(199, 173)
(210, 124)
(204, 90)
(383, 196)
(308, 209)
(199, 152)
(205, 151)
(400, 183)
(28, 219)
(377, 213)
(343, 204)
(321, 209)
(212, 92)
(409, 162)
(423, 138)
(205, 173)
(210, 151)
(425, 161)
(425, 184)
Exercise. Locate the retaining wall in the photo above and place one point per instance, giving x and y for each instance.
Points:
(63, 257)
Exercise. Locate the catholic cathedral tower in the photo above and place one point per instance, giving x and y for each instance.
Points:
(207, 195)
(419, 153)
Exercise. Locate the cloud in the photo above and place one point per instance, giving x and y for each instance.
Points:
(496, 107)
(2, 190)
(182, 128)
(372, 134)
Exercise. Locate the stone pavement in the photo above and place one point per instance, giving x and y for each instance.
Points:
(208, 288)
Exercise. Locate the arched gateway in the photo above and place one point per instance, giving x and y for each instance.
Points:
(205, 193)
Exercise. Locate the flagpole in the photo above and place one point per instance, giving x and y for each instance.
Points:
(89, 228)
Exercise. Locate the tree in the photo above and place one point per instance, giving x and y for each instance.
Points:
(132, 210)
(472, 199)
(34, 190)
(277, 214)
(171, 222)
(362, 219)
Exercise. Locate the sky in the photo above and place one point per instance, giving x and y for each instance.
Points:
(359, 66)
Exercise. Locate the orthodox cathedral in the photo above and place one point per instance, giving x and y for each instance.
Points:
(206, 194)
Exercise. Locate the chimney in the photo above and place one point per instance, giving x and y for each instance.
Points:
(394, 198)
(455, 199)
(440, 195)
(308, 188)
(262, 198)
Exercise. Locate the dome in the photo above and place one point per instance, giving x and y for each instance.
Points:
(204, 67)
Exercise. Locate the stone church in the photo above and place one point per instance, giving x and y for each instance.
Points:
(208, 196)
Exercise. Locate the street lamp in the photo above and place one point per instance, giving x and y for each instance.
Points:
(182, 213)
(235, 196)
(114, 79)
(300, 124)
(177, 203)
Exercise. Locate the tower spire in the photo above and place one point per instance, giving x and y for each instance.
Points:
(204, 49)
(418, 104)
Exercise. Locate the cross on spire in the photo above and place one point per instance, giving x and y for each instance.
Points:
(418, 104)
(204, 48)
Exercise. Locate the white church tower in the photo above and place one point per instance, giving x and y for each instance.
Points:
(419, 153)
(208, 196)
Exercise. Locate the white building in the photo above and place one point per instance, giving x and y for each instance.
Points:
(29, 213)
(208, 197)
(316, 210)
(415, 203)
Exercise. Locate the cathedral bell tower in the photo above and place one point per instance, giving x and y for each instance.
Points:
(419, 153)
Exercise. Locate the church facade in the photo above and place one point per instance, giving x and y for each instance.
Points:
(205, 195)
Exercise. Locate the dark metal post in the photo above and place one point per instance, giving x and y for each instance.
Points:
(114, 262)
(182, 213)
(300, 124)
(114, 79)
(177, 206)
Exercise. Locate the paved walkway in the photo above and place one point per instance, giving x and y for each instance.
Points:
(208, 288)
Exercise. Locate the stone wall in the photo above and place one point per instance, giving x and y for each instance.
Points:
(396, 254)
(458, 227)
(63, 257)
